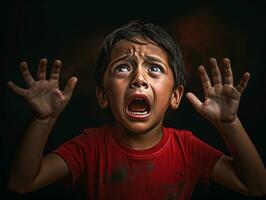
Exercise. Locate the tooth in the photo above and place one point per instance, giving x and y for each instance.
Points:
(139, 113)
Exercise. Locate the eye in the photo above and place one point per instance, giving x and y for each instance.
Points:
(155, 68)
(122, 68)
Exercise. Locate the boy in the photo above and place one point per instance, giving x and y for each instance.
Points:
(139, 77)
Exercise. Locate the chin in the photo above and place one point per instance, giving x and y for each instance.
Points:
(138, 127)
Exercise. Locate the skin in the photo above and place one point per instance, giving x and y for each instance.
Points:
(31, 170)
(139, 69)
(243, 172)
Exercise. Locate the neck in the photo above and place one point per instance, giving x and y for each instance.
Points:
(139, 141)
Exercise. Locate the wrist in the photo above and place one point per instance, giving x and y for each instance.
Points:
(221, 125)
(44, 121)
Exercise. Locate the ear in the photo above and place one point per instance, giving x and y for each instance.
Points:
(176, 96)
(102, 98)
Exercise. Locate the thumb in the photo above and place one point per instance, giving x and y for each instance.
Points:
(196, 103)
(71, 84)
(16, 89)
(57, 92)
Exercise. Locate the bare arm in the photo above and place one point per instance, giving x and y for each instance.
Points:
(244, 171)
(31, 170)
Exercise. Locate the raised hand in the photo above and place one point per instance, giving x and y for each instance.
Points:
(43, 95)
(221, 96)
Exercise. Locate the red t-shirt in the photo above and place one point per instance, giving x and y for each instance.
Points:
(169, 170)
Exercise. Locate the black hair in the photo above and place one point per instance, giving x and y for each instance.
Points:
(150, 31)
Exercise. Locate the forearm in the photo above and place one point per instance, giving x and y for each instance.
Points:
(246, 161)
(30, 152)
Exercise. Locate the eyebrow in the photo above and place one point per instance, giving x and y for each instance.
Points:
(119, 58)
(148, 58)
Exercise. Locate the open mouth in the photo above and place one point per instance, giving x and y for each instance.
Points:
(138, 107)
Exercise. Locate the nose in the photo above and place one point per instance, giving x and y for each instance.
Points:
(139, 80)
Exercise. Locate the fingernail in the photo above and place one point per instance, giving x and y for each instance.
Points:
(58, 62)
(212, 59)
(226, 60)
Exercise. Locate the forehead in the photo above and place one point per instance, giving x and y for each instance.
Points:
(125, 47)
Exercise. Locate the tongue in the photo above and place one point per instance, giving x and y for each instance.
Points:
(137, 106)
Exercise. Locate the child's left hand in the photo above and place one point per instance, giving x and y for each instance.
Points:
(221, 96)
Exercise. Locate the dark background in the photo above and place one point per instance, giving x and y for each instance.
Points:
(73, 30)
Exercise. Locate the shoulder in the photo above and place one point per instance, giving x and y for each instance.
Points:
(180, 137)
(96, 133)
(185, 138)
(181, 134)
(91, 136)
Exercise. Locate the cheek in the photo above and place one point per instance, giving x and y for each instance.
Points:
(115, 92)
(163, 91)
(163, 86)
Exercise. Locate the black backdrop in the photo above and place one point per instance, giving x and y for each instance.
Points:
(73, 30)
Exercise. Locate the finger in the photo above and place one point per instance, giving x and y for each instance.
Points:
(227, 71)
(58, 93)
(26, 74)
(42, 69)
(70, 87)
(18, 90)
(243, 83)
(205, 80)
(196, 103)
(216, 75)
(56, 70)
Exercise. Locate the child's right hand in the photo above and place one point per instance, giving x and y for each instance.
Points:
(43, 95)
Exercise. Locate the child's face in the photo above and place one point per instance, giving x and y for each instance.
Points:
(138, 86)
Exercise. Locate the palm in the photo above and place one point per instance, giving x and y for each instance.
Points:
(42, 99)
(221, 103)
(222, 98)
(44, 96)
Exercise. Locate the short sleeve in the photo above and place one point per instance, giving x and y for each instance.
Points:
(73, 153)
(203, 158)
